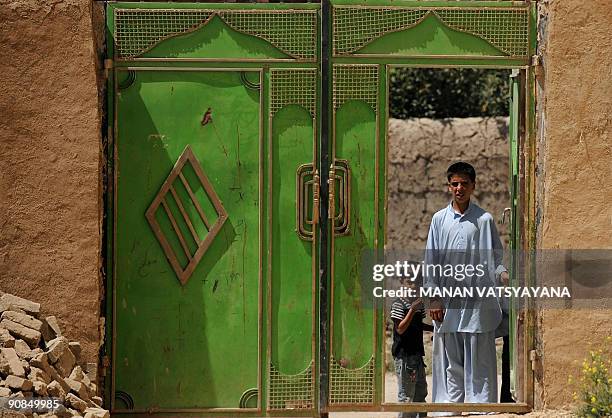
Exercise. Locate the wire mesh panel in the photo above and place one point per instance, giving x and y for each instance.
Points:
(355, 27)
(294, 32)
(351, 386)
(297, 87)
(505, 28)
(355, 82)
(291, 391)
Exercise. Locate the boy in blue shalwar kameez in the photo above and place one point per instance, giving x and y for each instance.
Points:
(464, 357)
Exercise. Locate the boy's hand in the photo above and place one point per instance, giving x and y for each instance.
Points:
(416, 304)
(505, 278)
(436, 310)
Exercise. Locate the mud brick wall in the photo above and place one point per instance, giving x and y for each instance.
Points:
(420, 151)
(50, 163)
(574, 168)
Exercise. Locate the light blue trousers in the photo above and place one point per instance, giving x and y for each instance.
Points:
(464, 368)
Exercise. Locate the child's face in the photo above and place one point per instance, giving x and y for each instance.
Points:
(408, 283)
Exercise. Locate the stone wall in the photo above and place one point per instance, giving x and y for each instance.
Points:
(49, 163)
(420, 151)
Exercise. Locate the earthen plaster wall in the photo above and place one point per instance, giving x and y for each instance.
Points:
(574, 169)
(49, 162)
(420, 151)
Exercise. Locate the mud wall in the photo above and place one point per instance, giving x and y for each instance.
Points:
(49, 163)
(574, 165)
(420, 151)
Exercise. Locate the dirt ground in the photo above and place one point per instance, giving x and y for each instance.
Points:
(540, 414)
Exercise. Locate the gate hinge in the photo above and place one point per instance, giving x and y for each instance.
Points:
(316, 195)
(108, 65)
(536, 60)
(105, 364)
(331, 203)
(535, 359)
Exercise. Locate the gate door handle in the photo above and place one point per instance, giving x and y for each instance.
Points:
(340, 197)
(307, 190)
(306, 185)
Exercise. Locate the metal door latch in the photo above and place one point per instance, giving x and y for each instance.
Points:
(503, 218)
(535, 359)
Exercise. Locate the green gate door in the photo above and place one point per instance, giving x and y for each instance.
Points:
(187, 254)
(369, 39)
(233, 127)
(214, 136)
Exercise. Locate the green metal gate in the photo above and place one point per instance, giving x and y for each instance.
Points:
(248, 161)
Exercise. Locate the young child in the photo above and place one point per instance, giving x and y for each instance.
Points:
(408, 352)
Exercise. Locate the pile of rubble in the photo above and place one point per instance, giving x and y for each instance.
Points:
(36, 361)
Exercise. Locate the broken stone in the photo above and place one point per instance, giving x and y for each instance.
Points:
(97, 400)
(96, 413)
(91, 370)
(75, 347)
(28, 394)
(19, 383)
(62, 412)
(4, 366)
(26, 366)
(6, 339)
(56, 376)
(56, 348)
(9, 413)
(15, 301)
(65, 363)
(17, 395)
(10, 362)
(77, 374)
(51, 328)
(73, 413)
(41, 361)
(77, 403)
(31, 336)
(22, 348)
(92, 388)
(30, 354)
(5, 392)
(56, 390)
(39, 375)
(23, 319)
(40, 388)
(78, 388)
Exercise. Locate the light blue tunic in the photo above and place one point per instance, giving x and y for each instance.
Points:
(468, 238)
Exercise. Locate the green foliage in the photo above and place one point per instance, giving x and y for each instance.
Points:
(446, 93)
(595, 391)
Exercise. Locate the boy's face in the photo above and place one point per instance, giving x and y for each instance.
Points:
(461, 187)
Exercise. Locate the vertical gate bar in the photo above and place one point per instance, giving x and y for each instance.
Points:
(325, 70)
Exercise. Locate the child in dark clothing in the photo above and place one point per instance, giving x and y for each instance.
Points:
(408, 352)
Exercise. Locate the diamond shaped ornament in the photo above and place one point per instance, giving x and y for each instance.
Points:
(160, 202)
